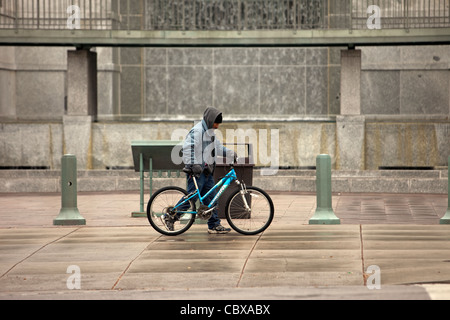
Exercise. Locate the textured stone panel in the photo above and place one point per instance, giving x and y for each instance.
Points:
(130, 93)
(40, 94)
(190, 90)
(156, 90)
(380, 92)
(334, 87)
(316, 90)
(283, 56)
(424, 92)
(236, 90)
(155, 56)
(283, 90)
(236, 56)
(189, 56)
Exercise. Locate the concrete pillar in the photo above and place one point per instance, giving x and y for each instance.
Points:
(82, 83)
(350, 125)
(350, 82)
(350, 144)
(81, 105)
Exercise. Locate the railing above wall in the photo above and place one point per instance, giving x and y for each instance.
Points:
(225, 15)
(87, 23)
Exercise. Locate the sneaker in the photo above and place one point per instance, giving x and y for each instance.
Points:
(219, 229)
(168, 222)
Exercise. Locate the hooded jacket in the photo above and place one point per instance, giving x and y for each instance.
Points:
(201, 146)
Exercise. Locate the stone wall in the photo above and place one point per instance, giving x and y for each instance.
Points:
(171, 82)
(150, 92)
(387, 144)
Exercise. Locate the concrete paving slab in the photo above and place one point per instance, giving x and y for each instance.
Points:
(178, 280)
(302, 279)
(410, 254)
(399, 292)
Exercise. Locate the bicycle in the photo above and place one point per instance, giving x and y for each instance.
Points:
(248, 210)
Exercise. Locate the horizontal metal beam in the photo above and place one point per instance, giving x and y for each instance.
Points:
(273, 38)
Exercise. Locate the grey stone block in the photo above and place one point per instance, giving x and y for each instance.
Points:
(380, 185)
(236, 90)
(334, 90)
(283, 56)
(156, 91)
(381, 58)
(13, 185)
(236, 56)
(380, 92)
(316, 90)
(428, 186)
(401, 144)
(189, 56)
(7, 96)
(190, 89)
(350, 137)
(40, 95)
(425, 57)
(283, 90)
(77, 139)
(131, 56)
(108, 93)
(424, 92)
(130, 91)
(155, 56)
(316, 56)
(443, 147)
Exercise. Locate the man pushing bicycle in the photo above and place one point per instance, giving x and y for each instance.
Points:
(200, 149)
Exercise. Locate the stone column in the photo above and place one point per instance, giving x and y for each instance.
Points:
(81, 105)
(350, 82)
(350, 125)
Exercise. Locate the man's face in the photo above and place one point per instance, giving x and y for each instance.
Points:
(216, 125)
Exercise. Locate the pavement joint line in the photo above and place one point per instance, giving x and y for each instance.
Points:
(36, 251)
(362, 256)
(246, 260)
(131, 262)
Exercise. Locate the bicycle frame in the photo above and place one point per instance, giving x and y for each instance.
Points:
(223, 183)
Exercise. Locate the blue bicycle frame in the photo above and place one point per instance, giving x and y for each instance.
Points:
(222, 183)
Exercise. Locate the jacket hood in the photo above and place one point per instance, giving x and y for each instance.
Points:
(210, 115)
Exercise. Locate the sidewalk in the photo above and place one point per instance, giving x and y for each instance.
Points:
(120, 257)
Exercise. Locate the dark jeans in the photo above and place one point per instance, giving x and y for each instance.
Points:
(205, 183)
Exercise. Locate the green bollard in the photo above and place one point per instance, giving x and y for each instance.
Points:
(324, 212)
(446, 218)
(69, 214)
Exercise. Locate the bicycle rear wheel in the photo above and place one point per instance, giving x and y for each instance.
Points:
(160, 207)
(254, 219)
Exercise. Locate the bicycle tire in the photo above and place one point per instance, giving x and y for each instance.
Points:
(254, 222)
(159, 202)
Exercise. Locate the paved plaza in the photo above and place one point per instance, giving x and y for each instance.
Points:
(120, 257)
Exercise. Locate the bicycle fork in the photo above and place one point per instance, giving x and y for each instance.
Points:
(243, 192)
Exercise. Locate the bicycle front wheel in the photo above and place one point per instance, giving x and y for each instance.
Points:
(162, 215)
(249, 213)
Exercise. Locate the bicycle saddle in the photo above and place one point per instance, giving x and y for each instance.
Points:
(187, 170)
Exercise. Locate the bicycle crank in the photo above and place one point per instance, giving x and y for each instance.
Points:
(204, 212)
